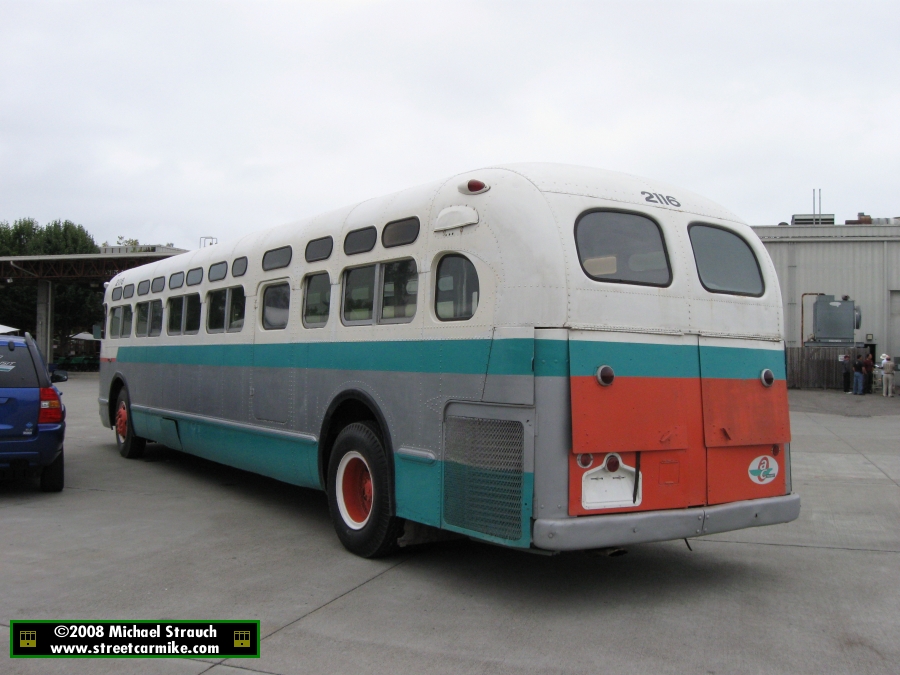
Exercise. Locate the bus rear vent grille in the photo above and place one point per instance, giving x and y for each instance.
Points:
(483, 475)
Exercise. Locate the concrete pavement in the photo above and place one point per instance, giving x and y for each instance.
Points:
(177, 537)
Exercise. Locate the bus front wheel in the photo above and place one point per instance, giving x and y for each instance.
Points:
(130, 446)
(359, 493)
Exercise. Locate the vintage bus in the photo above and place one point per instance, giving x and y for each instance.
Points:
(537, 355)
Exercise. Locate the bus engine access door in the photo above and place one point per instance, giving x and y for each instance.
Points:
(745, 418)
(637, 422)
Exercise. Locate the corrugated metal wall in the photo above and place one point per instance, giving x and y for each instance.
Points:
(859, 261)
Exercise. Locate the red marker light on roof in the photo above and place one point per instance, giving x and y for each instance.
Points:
(474, 187)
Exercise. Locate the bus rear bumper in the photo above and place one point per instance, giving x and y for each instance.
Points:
(588, 532)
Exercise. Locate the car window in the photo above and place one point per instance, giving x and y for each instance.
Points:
(16, 366)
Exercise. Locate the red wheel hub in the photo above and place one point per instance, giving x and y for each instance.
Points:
(122, 421)
(356, 488)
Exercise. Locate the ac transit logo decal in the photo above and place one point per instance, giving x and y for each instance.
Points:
(763, 470)
(6, 366)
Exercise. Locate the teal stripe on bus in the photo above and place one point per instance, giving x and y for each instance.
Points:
(733, 363)
(551, 358)
(676, 361)
(634, 359)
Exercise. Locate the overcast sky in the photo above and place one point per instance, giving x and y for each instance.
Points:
(169, 121)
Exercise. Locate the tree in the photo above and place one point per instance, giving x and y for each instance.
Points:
(78, 306)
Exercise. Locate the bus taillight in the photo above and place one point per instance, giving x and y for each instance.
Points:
(612, 463)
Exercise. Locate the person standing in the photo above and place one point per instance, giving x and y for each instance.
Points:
(847, 365)
(858, 378)
(887, 386)
(868, 370)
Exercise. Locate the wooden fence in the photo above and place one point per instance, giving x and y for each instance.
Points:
(817, 367)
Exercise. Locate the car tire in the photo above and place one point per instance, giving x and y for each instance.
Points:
(130, 446)
(53, 476)
(359, 492)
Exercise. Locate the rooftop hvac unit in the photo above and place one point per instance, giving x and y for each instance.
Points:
(812, 219)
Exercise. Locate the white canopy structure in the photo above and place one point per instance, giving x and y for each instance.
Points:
(7, 329)
(83, 336)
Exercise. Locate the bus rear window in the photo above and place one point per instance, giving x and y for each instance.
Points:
(725, 262)
(623, 248)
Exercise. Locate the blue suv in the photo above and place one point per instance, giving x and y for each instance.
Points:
(32, 415)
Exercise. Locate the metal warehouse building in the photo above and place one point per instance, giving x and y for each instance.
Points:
(862, 261)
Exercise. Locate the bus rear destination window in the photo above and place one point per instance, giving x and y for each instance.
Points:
(623, 248)
(725, 262)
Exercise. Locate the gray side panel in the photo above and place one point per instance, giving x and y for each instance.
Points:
(512, 389)
(552, 445)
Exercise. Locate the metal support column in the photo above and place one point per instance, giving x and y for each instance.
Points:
(44, 332)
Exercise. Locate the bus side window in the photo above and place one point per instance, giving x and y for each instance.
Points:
(192, 314)
(276, 305)
(317, 303)
(456, 295)
(115, 322)
(143, 319)
(215, 312)
(176, 314)
(399, 288)
(359, 294)
(236, 303)
(156, 317)
(126, 321)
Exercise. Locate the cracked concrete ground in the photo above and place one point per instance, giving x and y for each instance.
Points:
(177, 537)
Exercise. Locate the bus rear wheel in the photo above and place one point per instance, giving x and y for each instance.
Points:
(359, 489)
(130, 446)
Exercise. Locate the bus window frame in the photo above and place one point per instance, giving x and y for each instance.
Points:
(434, 287)
(378, 300)
(115, 314)
(762, 278)
(261, 294)
(184, 314)
(306, 279)
(137, 314)
(631, 212)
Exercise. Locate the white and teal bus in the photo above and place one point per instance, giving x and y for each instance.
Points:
(535, 355)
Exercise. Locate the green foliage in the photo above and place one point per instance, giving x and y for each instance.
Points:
(77, 305)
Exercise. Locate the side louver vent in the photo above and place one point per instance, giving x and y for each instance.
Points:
(483, 475)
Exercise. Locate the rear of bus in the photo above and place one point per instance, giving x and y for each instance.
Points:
(678, 395)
